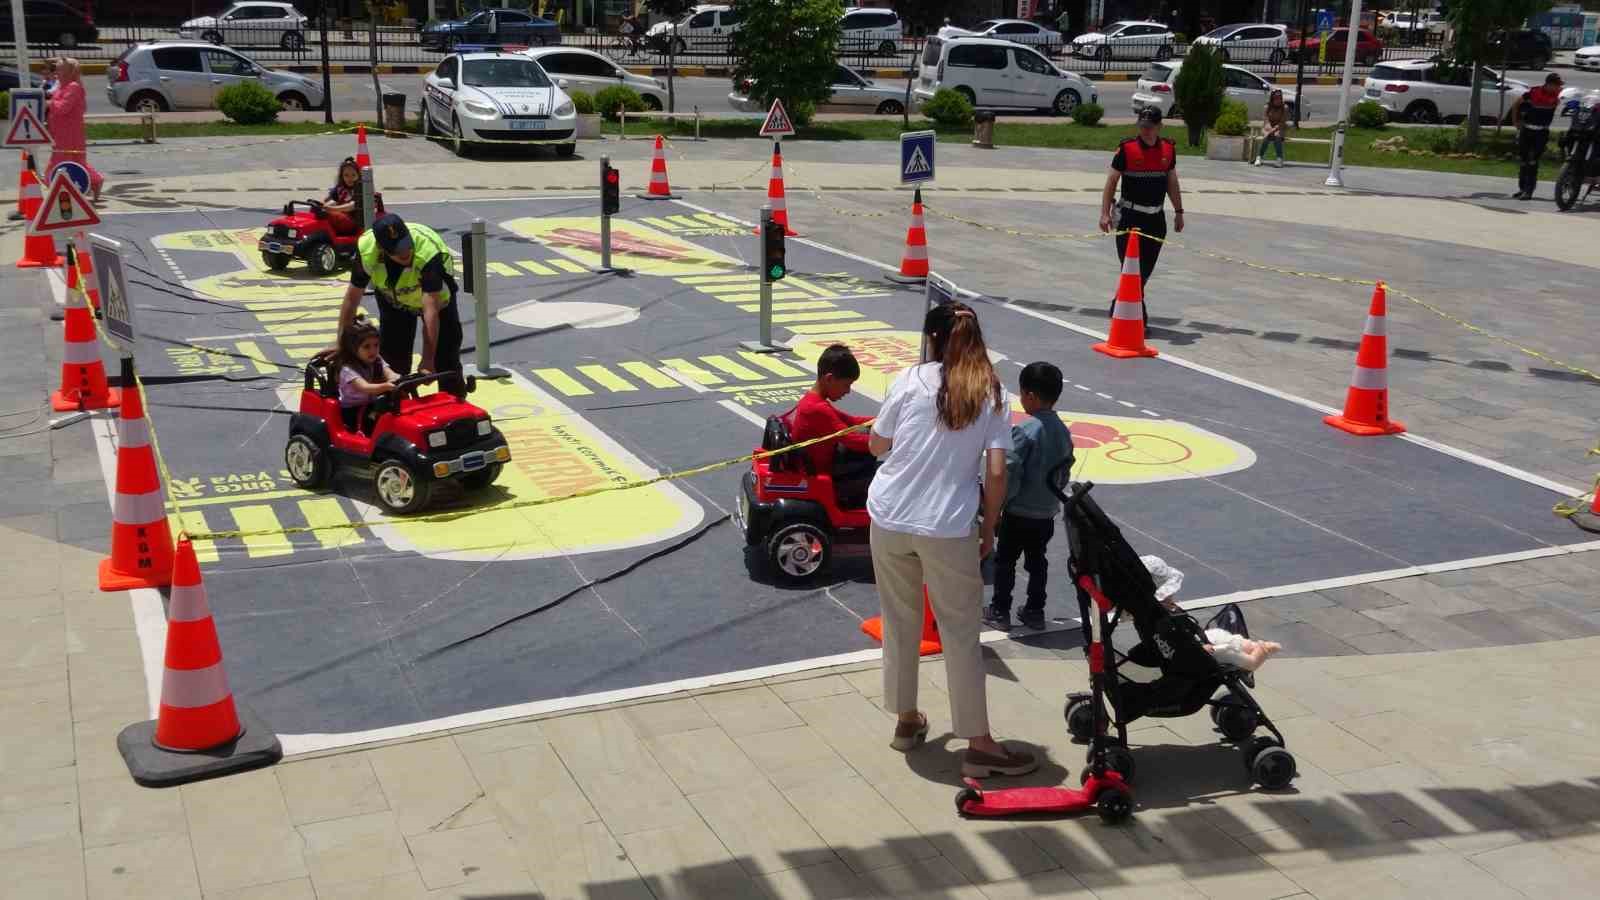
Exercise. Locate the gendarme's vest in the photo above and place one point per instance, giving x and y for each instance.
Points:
(406, 292)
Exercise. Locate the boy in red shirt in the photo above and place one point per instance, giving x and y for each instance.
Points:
(846, 458)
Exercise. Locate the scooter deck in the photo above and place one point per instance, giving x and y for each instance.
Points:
(1019, 801)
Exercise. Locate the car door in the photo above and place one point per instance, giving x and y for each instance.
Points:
(1033, 80)
(728, 21)
(513, 26)
(441, 91)
(984, 69)
(853, 35)
(1247, 88)
(593, 71)
(183, 76)
(271, 24)
(849, 89)
(698, 31)
(1138, 42)
(225, 69)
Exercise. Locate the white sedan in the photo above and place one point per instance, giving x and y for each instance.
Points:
(1154, 90)
(1020, 31)
(499, 97)
(576, 69)
(1587, 58)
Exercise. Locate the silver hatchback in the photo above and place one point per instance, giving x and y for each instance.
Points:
(169, 75)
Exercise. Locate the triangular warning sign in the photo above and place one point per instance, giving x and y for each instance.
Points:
(64, 208)
(777, 123)
(917, 164)
(27, 130)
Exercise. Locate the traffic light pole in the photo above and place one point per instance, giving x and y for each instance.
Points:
(609, 192)
(478, 280)
(766, 344)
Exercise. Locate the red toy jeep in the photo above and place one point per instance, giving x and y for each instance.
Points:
(309, 236)
(793, 514)
(415, 444)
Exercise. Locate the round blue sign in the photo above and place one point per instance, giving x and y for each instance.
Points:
(76, 173)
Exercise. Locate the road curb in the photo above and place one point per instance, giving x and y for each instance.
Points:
(360, 69)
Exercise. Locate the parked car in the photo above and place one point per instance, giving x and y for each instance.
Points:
(994, 73)
(1368, 48)
(585, 70)
(168, 75)
(849, 89)
(1154, 89)
(250, 24)
(868, 30)
(9, 80)
(1424, 90)
(1125, 40)
(1017, 31)
(497, 96)
(1573, 97)
(1587, 58)
(1249, 43)
(1427, 22)
(490, 26)
(703, 27)
(1522, 50)
(51, 22)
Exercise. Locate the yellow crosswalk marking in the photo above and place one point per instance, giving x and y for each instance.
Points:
(716, 279)
(692, 371)
(500, 268)
(662, 224)
(252, 350)
(260, 517)
(648, 374)
(536, 268)
(685, 222)
(755, 297)
(324, 512)
(307, 340)
(204, 551)
(804, 285)
(840, 327)
(802, 304)
(715, 221)
(771, 364)
(322, 326)
(724, 364)
(722, 287)
(321, 312)
(568, 265)
(607, 378)
(563, 382)
(816, 316)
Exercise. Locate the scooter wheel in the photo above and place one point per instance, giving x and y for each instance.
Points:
(1119, 759)
(1115, 806)
(965, 796)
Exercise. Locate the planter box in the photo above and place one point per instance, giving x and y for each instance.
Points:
(589, 127)
(1224, 147)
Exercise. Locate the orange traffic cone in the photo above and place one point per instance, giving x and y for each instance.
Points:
(1366, 404)
(22, 183)
(197, 711)
(775, 199)
(1127, 314)
(85, 267)
(141, 542)
(659, 188)
(37, 249)
(930, 643)
(914, 263)
(83, 375)
(363, 158)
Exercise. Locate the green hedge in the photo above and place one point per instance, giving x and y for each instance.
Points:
(248, 103)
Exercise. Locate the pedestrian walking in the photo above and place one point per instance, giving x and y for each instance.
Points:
(1147, 168)
(1531, 115)
(65, 113)
(1274, 119)
(942, 423)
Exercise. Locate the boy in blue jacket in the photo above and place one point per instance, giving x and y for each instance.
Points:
(1038, 445)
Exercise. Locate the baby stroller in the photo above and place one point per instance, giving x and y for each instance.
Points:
(1107, 569)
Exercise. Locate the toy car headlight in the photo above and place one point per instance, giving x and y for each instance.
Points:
(436, 439)
(482, 109)
(502, 454)
(484, 427)
(564, 110)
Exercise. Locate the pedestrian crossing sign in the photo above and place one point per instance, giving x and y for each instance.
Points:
(778, 123)
(26, 129)
(916, 157)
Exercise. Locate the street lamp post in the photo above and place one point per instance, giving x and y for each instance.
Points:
(1352, 37)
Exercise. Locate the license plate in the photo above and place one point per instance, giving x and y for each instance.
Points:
(472, 462)
(275, 247)
(527, 124)
(1374, 92)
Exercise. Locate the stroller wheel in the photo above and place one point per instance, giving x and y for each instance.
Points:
(1080, 718)
(1115, 806)
(1236, 722)
(1119, 759)
(1253, 748)
(967, 795)
(1273, 768)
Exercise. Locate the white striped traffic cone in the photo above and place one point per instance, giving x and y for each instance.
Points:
(363, 158)
(91, 289)
(914, 263)
(1366, 404)
(659, 188)
(141, 540)
(38, 250)
(83, 375)
(197, 710)
(775, 195)
(1126, 338)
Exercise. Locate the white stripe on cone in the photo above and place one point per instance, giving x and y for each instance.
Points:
(916, 251)
(80, 353)
(1130, 264)
(139, 509)
(194, 688)
(1370, 379)
(188, 603)
(1126, 309)
(132, 433)
(1377, 326)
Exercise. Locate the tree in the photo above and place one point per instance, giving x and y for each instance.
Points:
(1474, 23)
(1198, 90)
(788, 50)
(672, 11)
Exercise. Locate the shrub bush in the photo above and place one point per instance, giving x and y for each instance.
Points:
(1437, 140)
(948, 110)
(1088, 114)
(606, 100)
(582, 102)
(5, 104)
(248, 103)
(1234, 120)
(1199, 90)
(1368, 114)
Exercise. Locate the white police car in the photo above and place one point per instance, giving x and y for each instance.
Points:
(497, 96)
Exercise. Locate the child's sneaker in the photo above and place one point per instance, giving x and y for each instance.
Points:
(1032, 618)
(996, 618)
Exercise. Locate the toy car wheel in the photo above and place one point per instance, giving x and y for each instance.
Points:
(398, 488)
(306, 462)
(798, 551)
(1115, 806)
(1236, 722)
(1119, 759)
(481, 478)
(277, 262)
(1273, 768)
(323, 259)
(967, 795)
(1080, 719)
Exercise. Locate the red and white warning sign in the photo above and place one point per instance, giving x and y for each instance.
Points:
(64, 208)
(27, 130)
(777, 124)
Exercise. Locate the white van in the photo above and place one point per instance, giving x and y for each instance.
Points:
(997, 74)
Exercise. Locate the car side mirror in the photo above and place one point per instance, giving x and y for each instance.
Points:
(448, 82)
(562, 83)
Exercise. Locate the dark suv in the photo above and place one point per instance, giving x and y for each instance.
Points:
(1525, 50)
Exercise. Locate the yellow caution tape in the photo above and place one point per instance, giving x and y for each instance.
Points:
(1582, 503)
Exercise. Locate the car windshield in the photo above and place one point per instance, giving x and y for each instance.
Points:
(930, 53)
(986, 24)
(1157, 72)
(503, 73)
(1218, 34)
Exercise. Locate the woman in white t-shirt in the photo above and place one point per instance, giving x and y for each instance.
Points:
(940, 421)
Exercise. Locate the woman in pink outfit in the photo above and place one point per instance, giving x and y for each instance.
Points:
(67, 104)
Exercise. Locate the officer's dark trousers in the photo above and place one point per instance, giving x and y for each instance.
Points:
(397, 332)
(1152, 224)
(1530, 147)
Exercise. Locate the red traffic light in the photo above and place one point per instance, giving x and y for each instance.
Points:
(612, 176)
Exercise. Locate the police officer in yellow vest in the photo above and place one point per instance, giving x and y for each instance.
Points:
(410, 269)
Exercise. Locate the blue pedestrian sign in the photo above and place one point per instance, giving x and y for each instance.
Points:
(1324, 20)
(916, 157)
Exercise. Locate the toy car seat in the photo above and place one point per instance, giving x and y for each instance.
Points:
(776, 436)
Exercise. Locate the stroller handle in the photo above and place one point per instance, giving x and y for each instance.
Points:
(1065, 490)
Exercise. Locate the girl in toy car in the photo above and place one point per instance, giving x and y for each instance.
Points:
(342, 198)
(362, 374)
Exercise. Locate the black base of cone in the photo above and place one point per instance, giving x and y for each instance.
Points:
(897, 278)
(659, 196)
(152, 766)
(1586, 520)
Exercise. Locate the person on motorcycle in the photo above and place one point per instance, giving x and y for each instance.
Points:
(1531, 115)
(630, 29)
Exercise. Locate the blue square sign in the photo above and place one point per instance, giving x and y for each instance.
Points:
(916, 157)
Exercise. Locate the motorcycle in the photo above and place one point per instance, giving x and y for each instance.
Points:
(1577, 148)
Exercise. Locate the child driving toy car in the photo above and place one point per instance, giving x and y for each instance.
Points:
(340, 204)
(847, 457)
(362, 374)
